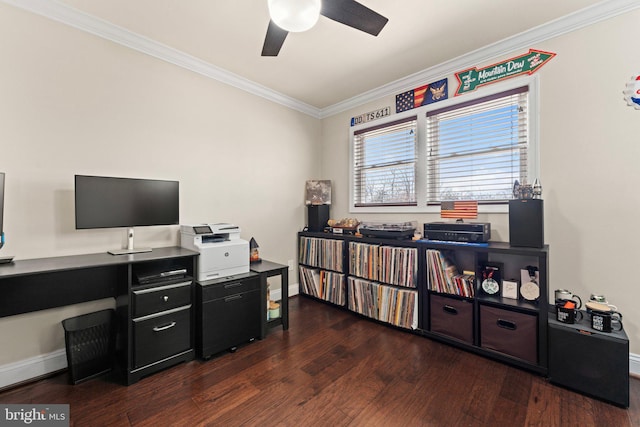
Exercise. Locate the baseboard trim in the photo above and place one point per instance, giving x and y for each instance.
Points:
(634, 365)
(31, 368)
(276, 295)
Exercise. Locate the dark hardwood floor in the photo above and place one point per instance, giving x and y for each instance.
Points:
(332, 368)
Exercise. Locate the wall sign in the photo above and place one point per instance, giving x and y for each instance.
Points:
(632, 92)
(472, 78)
(371, 115)
(423, 95)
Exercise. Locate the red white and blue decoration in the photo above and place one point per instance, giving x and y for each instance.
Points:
(632, 92)
(423, 95)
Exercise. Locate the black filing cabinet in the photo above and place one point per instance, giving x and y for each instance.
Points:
(161, 322)
(588, 361)
(156, 316)
(229, 313)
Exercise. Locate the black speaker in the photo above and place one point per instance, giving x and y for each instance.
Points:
(526, 223)
(317, 216)
(590, 362)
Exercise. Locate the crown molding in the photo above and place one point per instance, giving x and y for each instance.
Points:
(60, 12)
(575, 21)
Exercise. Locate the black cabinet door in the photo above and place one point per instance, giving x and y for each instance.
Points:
(229, 321)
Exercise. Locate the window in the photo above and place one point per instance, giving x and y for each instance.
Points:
(477, 149)
(465, 148)
(385, 164)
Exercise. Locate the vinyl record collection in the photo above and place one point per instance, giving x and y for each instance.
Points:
(323, 253)
(392, 265)
(398, 307)
(443, 276)
(326, 285)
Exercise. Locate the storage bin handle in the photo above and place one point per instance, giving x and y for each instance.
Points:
(449, 309)
(507, 324)
(164, 328)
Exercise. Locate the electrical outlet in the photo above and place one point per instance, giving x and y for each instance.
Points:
(290, 262)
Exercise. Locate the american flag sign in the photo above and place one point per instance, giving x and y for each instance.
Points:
(459, 209)
(423, 95)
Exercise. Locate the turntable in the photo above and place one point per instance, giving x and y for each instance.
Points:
(388, 230)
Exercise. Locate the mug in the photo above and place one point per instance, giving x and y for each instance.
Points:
(605, 321)
(566, 295)
(599, 306)
(602, 300)
(565, 313)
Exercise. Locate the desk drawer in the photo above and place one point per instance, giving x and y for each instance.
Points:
(509, 332)
(157, 337)
(231, 287)
(161, 298)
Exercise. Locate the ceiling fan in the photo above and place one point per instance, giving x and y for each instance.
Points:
(300, 15)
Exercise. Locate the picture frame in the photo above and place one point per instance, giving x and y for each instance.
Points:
(318, 192)
(510, 289)
(490, 278)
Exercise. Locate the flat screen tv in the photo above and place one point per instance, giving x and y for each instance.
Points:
(110, 202)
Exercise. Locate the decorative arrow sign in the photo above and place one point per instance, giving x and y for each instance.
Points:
(472, 78)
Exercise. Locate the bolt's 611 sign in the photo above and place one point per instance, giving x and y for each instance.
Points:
(472, 78)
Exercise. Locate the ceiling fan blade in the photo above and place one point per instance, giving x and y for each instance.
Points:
(274, 39)
(355, 15)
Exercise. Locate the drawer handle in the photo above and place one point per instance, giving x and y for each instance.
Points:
(507, 324)
(232, 285)
(165, 298)
(449, 309)
(164, 328)
(232, 298)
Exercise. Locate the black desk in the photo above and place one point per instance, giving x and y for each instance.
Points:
(39, 284)
(269, 269)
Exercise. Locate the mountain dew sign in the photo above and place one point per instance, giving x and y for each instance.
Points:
(472, 78)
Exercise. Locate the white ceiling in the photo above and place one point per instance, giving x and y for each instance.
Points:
(331, 62)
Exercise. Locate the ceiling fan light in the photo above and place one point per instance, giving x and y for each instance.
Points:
(294, 15)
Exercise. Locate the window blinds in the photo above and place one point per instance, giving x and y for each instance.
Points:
(385, 164)
(476, 150)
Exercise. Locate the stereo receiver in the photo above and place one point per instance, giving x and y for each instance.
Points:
(477, 232)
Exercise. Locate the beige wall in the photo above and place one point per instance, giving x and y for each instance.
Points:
(589, 151)
(72, 103)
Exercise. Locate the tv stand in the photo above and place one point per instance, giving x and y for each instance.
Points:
(130, 249)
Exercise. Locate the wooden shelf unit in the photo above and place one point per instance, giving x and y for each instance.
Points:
(517, 320)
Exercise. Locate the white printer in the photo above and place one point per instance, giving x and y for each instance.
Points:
(222, 251)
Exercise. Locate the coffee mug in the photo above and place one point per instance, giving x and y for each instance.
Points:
(567, 314)
(599, 306)
(566, 295)
(606, 321)
(602, 300)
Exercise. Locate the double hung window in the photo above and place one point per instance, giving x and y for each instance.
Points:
(473, 148)
(477, 149)
(385, 164)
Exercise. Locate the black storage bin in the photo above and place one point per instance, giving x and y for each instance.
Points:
(452, 317)
(509, 332)
(90, 344)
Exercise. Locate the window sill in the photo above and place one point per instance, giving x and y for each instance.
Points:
(502, 208)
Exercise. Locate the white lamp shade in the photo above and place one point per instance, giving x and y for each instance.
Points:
(294, 15)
